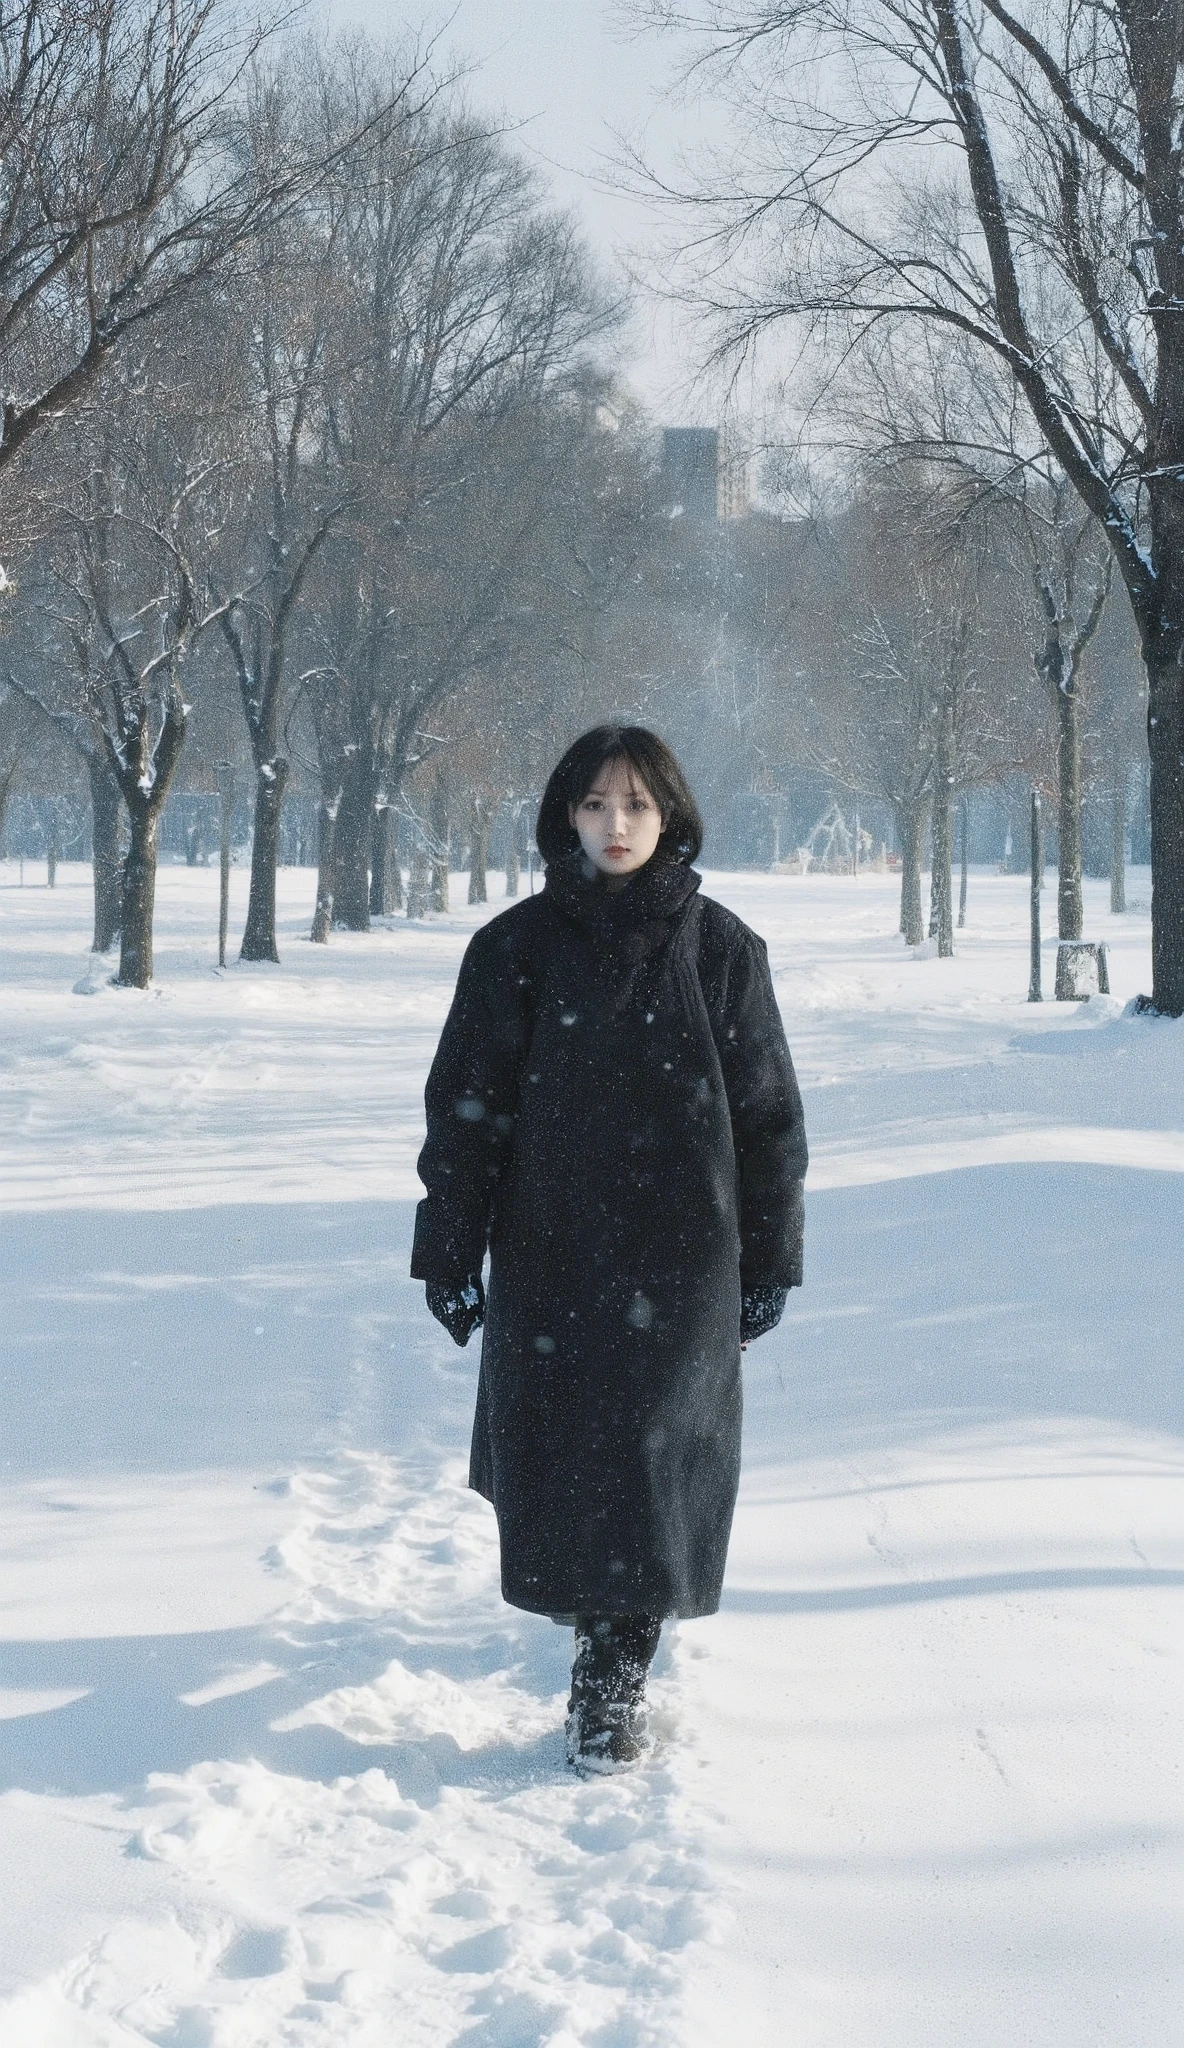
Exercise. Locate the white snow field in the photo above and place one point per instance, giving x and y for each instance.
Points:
(277, 1767)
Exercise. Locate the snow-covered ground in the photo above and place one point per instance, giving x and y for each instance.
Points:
(278, 1769)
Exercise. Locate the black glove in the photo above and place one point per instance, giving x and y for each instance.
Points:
(760, 1310)
(459, 1305)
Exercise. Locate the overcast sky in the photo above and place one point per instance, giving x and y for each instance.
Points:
(562, 71)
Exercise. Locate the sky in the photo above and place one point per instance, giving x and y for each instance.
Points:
(566, 76)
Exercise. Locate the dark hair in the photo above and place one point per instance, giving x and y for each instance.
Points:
(651, 758)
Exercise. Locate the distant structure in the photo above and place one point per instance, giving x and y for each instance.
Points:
(698, 482)
(690, 473)
(732, 488)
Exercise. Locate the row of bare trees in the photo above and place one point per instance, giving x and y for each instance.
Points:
(993, 183)
(303, 411)
(966, 644)
(350, 446)
(919, 646)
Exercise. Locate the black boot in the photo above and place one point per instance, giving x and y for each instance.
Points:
(606, 1717)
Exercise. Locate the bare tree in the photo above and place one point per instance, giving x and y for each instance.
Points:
(891, 735)
(66, 697)
(944, 407)
(1010, 173)
(471, 306)
(14, 746)
(299, 337)
(124, 179)
(133, 564)
(898, 697)
(1071, 617)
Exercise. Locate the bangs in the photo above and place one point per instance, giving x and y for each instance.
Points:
(650, 759)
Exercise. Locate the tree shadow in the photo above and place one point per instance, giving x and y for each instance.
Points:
(972, 1586)
(258, 1336)
(1006, 1296)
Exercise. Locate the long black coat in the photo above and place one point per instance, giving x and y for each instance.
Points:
(613, 1110)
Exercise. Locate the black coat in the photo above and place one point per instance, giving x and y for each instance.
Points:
(613, 1110)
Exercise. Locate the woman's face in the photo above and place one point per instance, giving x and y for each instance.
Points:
(617, 820)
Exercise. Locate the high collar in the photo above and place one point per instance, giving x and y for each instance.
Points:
(642, 911)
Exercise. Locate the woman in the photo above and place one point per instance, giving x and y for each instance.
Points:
(612, 1110)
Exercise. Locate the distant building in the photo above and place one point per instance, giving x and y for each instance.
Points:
(697, 482)
(732, 488)
(690, 473)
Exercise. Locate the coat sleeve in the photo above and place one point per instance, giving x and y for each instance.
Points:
(768, 1127)
(471, 1100)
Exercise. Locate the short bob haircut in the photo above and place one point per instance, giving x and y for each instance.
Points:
(652, 762)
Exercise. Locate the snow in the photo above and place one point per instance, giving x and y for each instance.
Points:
(277, 1766)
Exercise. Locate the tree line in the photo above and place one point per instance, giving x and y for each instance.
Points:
(319, 392)
(975, 213)
(315, 444)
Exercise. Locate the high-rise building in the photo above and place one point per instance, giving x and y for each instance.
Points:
(690, 473)
(732, 488)
(697, 482)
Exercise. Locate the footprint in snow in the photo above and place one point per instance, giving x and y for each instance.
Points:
(495, 1900)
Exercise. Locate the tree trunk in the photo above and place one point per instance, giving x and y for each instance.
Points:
(941, 885)
(911, 827)
(259, 934)
(1069, 912)
(479, 821)
(1018, 825)
(1165, 741)
(386, 883)
(105, 863)
(378, 861)
(1036, 883)
(964, 819)
(513, 859)
(138, 898)
(6, 782)
(225, 821)
(418, 880)
(351, 862)
(144, 807)
(322, 917)
(441, 830)
(942, 878)
(1118, 840)
(394, 871)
